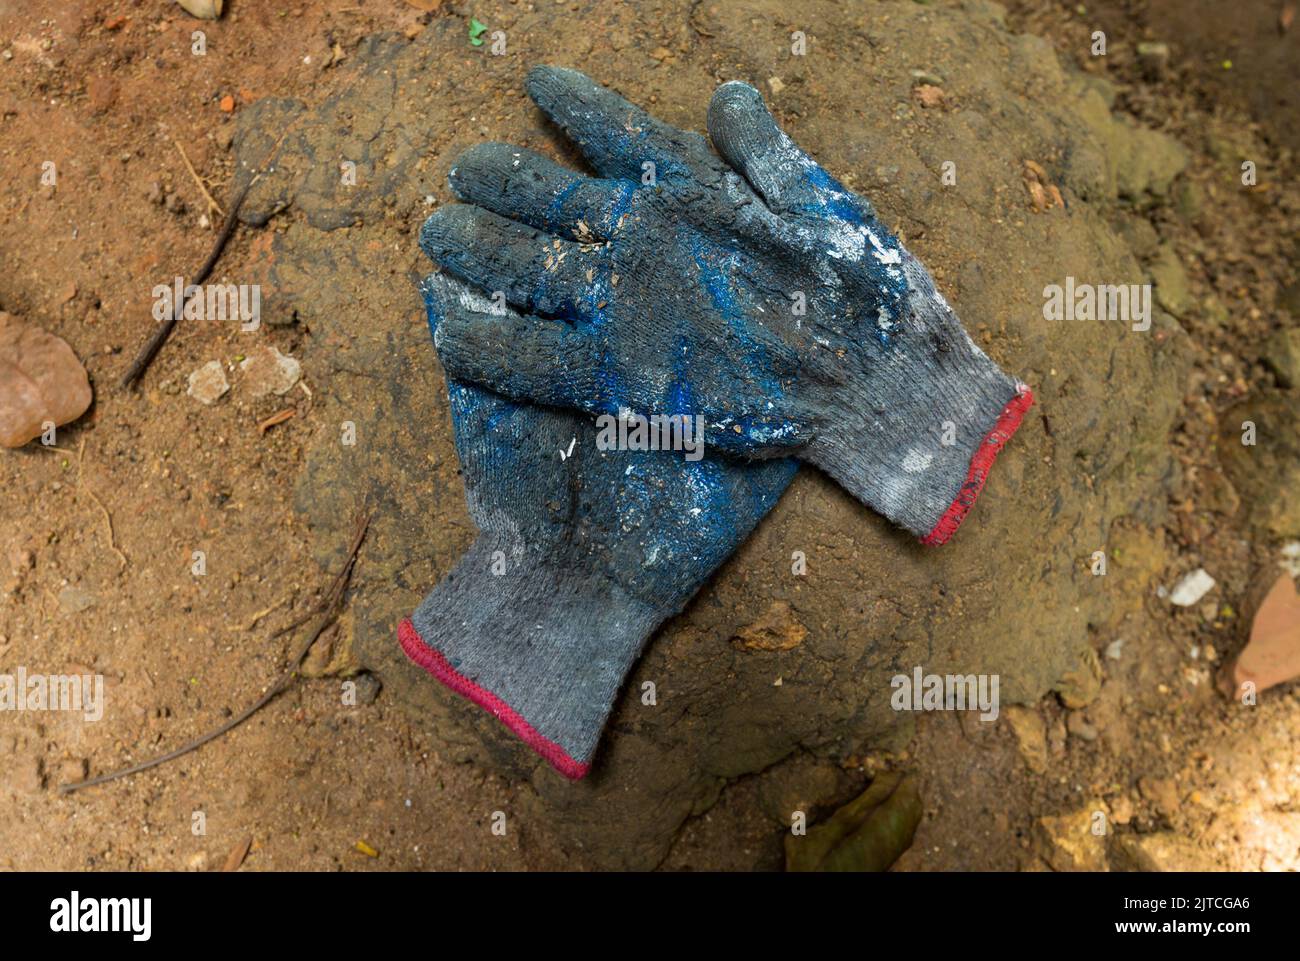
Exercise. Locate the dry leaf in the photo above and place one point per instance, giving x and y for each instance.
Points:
(867, 834)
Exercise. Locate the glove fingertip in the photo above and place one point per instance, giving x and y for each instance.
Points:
(547, 84)
(735, 109)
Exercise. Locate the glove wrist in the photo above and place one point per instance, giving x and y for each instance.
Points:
(541, 645)
(922, 460)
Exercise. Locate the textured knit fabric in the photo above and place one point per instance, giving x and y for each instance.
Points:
(582, 553)
(747, 286)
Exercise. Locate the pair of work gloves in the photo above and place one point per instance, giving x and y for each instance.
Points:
(745, 286)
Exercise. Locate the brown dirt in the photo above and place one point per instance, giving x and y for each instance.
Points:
(106, 91)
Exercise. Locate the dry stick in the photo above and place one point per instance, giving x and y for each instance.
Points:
(330, 608)
(152, 346)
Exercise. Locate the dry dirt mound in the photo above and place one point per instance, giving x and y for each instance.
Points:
(1012, 595)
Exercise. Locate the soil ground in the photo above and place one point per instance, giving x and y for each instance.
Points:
(99, 533)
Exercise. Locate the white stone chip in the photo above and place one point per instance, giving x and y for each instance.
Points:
(1191, 588)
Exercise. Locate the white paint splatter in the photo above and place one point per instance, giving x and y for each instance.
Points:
(916, 461)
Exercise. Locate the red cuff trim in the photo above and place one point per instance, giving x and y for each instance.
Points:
(422, 653)
(980, 464)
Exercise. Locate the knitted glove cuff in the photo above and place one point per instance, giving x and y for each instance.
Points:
(541, 646)
(921, 457)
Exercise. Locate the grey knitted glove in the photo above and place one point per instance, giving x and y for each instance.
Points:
(579, 559)
(752, 289)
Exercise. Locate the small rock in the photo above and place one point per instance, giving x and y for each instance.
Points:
(1220, 496)
(1115, 649)
(1031, 736)
(1173, 291)
(208, 384)
(267, 371)
(1079, 727)
(101, 92)
(1290, 558)
(155, 193)
(776, 630)
(1121, 809)
(175, 204)
(41, 381)
(368, 688)
(203, 9)
(1282, 356)
(198, 861)
(1162, 793)
(1081, 685)
(74, 600)
(1067, 842)
(1191, 588)
(775, 84)
(926, 77)
(928, 95)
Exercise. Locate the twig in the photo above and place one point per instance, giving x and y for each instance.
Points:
(154, 343)
(237, 854)
(277, 418)
(212, 204)
(261, 614)
(330, 608)
(108, 518)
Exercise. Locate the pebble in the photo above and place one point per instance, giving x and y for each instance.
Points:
(1162, 793)
(1191, 588)
(1291, 558)
(1030, 734)
(368, 688)
(1079, 727)
(55, 387)
(267, 371)
(74, 600)
(208, 383)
